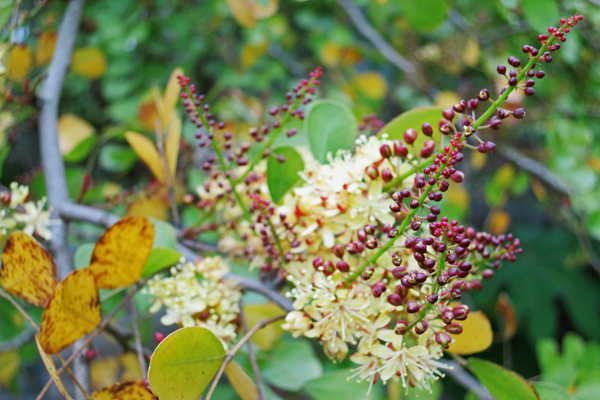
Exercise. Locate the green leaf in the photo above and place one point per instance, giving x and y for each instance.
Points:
(82, 150)
(160, 258)
(330, 127)
(551, 391)
(502, 383)
(541, 14)
(164, 234)
(425, 15)
(184, 363)
(292, 365)
(281, 177)
(6, 7)
(415, 118)
(117, 158)
(83, 255)
(335, 385)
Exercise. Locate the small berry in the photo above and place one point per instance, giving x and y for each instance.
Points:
(159, 337)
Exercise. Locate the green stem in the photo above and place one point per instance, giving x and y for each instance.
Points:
(402, 177)
(277, 242)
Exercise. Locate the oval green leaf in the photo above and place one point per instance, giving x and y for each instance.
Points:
(160, 258)
(281, 177)
(540, 13)
(330, 126)
(184, 363)
(415, 118)
(502, 383)
(425, 15)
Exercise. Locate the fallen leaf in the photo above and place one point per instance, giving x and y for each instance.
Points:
(508, 314)
(72, 130)
(147, 152)
(47, 360)
(476, 336)
(72, 312)
(241, 382)
(45, 47)
(19, 63)
(172, 144)
(128, 390)
(371, 84)
(170, 99)
(121, 252)
(28, 271)
(242, 12)
(89, 62)
(184, 363)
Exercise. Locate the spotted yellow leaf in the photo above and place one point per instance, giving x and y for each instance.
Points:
(241, 382)
(128, 390)
(121, 252)
(72, 312)
(146, 150)
(19, 63)
(476, 336)
(28, 271)
(52, 370)
(89, 62)
(45, 47)
(169, 102)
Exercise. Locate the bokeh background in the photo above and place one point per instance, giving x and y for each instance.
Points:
(541, 184)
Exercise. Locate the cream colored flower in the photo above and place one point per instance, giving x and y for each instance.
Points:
(35, 219)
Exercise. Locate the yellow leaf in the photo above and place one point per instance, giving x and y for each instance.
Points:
(459, 196)
(89, 62)
(261, 12)
(446, 99)
(45, 47)
(476, 336)
(147, 114)
(242, 12)
(72, 312)
(172, 146)
(371, 84)
(538, 190)
(28, 271)
(121, 252)
(132, 371)
(331, 54)
(478, 160)
(499, 221)
(10, 363)
(104, 371)
(250, 53)
(266, 337)
(52, 370)
(19, 63)
(508, 314)
(172, 93)
(241, 382)
(157, 206)
(471, 53)
(129, 390)
(72, 130)
(146, 150)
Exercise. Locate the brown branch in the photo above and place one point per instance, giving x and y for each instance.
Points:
(123, 339)
(244, 339)
(138, 340)
(252, 355)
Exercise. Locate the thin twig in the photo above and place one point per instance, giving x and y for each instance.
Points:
(243, 340)
(123, 339)
(252, 355)
(462, 377)
(163, 158)
(95, 333)
(376, 39)
(138, 339)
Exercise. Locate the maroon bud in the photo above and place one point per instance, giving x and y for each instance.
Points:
(317, 263)
(368, 273)
(342, 266)
(519, 113)
(447, 316)
(443, 339)
(90, 354)
(385, 151)
(328, 268)
(413, 307)
(338, 250)
(540, 74)
(394, 299)
(501, 69)
(448, 113)
(372, 172)
(421, 327)
(456, 293)
(454, 328)
(483, 95)
(401, 327)
(410, 135)
(461, 312)
(5, 198)
(386, 175)
(432, 298)
(427, 129)
(400, 149)
(529, 91)
(377, 290)
(399, 272)
(159, 337)
(487, 273)
(473, 104)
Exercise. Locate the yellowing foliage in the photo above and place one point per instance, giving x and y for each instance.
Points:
(129, 390)
(169, 101)
(331, 54)
(89, 62)
(172, 145)
(72, 312)
(45, 47)
(10, 362)
(28, 271)
(265, 337)
(72, 130)
(477, 335)
(241, 382)
(121, 252)
(146, 150)
(157, 206)
(19, 63)
(371, 84)
(52, 370)
(499, 221)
